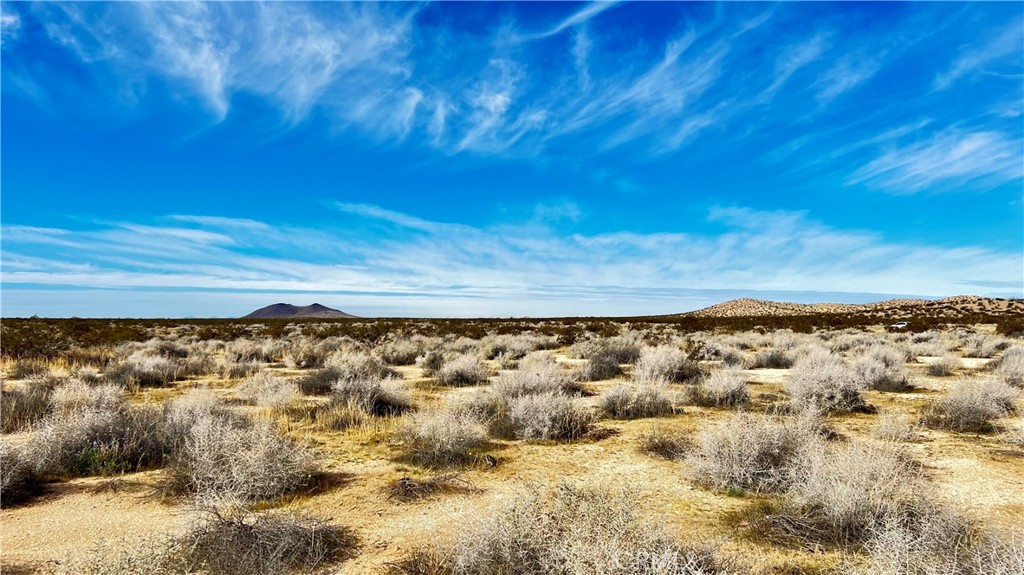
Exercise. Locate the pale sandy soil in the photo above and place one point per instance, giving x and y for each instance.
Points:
(977, 473)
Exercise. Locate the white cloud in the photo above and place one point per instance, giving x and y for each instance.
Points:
(1006, 44)
(946, 160)
(511, 264)
(576, 19)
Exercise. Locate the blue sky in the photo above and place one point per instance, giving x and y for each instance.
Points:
(506, 159)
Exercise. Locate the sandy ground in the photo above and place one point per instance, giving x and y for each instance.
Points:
(978, 473)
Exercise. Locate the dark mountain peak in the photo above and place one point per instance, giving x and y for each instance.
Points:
(287, 310)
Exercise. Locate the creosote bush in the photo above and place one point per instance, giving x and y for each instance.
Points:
(575, 530)
(751, 452)
(461, 371)
(821, 380)
(971, 405)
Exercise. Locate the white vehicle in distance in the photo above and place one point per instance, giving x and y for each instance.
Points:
(900, 325)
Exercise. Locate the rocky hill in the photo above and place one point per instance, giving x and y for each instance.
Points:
(287, 311)
(956, 306)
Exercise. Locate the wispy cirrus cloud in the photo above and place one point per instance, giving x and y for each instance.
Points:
(1003, 45)
(509, 262)
(948, 159)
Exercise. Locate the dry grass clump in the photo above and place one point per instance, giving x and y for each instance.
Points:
(1013, 435)
(821, 381)
(646, 399)
(146, 368)
(666, 443)
(266, 390)
(751, 452)
(571, 531)
(225, 459)
(339, 416)
(724, 387)
(375, 396)
(892, 426)
(22, 407)
(27, 367)
(408, 489)
(666, 363)
(463, 370)
(771, 359)
(944, 366)
(18, 480)
(1011, 366)
(883, 368)
(971, 405)
(443, 438)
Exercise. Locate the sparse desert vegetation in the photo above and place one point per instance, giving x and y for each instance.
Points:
(546, 447)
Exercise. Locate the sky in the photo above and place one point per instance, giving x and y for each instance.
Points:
(506, 159)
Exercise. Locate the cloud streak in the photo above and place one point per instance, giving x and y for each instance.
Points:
(528, 261)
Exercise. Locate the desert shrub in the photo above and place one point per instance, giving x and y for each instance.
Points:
(306, 355)
(971, 405)
(227, 369)
(1013, 435)
(623, 349)
(374, 395)
(892, 426)
(242, 543)
(576, 530)
(771, 359)
(443, 438)
(663, 442)
(636, 401)
(718, 350)
(822, 381)
(665, 363)
(28, 367)
(928, 349)
(356, 365)
(229, 460)
(540, 375)
(18, 480)
(843, 494)
(882, 368)
(431, 361)
(141, 370)
(97, 442)
(266, 390)
(513, 346)
(750, 452)
(403, 350)
(600, 366)
(935, 544)
(318, 382)
(981, 345)
(723, 387)
(551, 416)
(463, 370)
(945, 365)
(1011, 366)
(23, 407)
(76, 397)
